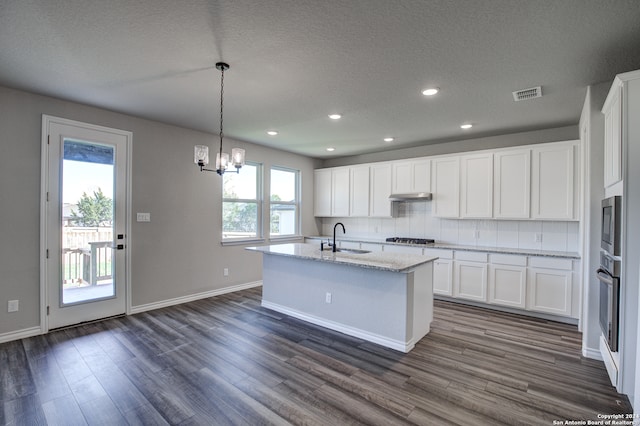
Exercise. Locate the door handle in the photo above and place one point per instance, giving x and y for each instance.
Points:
(604, 277)
(118, 247)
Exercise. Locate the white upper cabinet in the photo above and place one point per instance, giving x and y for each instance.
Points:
(340, 188)
(380, 189)
(446, 186)
(359, 191)
(402, 177)
(535, 182)
(612, 111)
(552, 181)
(322, 192)
(411, 176)
(512, 184)
(476, 186)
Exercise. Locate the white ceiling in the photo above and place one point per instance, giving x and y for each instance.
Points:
(295, 61)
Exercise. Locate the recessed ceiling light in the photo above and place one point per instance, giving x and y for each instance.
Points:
(466, 126)
(335, 116)
(272, 132)
(388, 139)
(331, 149)
(430, 91)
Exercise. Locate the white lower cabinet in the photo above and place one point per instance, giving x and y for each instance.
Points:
(442, 271)
(537, 284)
(508, 280)
(550, 286)
(532, 283)
(470, 276)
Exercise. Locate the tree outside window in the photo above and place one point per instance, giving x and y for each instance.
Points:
(241, 205)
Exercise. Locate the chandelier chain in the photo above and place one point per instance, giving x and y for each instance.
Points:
(221, 106)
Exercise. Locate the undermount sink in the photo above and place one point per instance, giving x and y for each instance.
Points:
(352, 251)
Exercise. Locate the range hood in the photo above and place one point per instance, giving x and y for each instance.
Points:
(412, 196)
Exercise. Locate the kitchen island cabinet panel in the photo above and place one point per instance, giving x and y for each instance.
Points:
(382, 298)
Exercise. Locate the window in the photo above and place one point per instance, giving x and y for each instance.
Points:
(285, 199)
(242, 204)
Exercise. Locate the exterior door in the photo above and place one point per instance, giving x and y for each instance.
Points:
(85, 197)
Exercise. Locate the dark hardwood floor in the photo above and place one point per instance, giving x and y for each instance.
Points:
(226, 360)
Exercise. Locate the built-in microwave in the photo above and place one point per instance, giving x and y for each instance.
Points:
(611, 212)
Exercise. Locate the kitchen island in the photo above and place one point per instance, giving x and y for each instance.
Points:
(385, 298)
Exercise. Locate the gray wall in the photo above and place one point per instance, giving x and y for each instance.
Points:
(177, 254)
(466, 145)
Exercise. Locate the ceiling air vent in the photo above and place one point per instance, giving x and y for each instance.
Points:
(524, 94)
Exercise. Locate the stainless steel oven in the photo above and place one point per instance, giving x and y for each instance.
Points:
(609, 276)
(611, 215)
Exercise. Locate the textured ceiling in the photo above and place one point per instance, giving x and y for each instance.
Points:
(295, 61)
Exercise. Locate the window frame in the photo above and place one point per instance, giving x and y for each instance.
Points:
(259, 201)
(296, 203)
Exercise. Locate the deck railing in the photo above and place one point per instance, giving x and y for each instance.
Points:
(81, 265)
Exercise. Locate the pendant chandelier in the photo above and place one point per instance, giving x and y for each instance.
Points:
(223, 162)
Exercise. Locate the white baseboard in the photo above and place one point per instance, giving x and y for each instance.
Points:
(184, 299)
(351, 331)
(592, 353)
(20, 334)
(610, 362)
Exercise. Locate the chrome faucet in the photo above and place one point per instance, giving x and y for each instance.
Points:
(334, 234)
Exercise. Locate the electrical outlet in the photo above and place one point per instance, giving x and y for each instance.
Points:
(538, 237)
(13, 306)
(327, 298)
(225, 272)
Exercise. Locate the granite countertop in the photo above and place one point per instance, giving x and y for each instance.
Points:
(392, 262)
(459, 247)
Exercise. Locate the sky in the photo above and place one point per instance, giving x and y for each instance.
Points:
(80, 176)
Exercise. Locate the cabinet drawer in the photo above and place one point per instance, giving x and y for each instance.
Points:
(442, 254)
(551, 263)
(471, 256)
(508, 259)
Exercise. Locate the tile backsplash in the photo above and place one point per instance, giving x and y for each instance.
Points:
(415, 220)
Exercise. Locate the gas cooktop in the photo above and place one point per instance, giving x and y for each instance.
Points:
(408, 240)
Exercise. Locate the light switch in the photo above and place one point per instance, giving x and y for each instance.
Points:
(143, 217)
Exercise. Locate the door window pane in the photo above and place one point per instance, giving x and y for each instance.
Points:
(87, 222)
